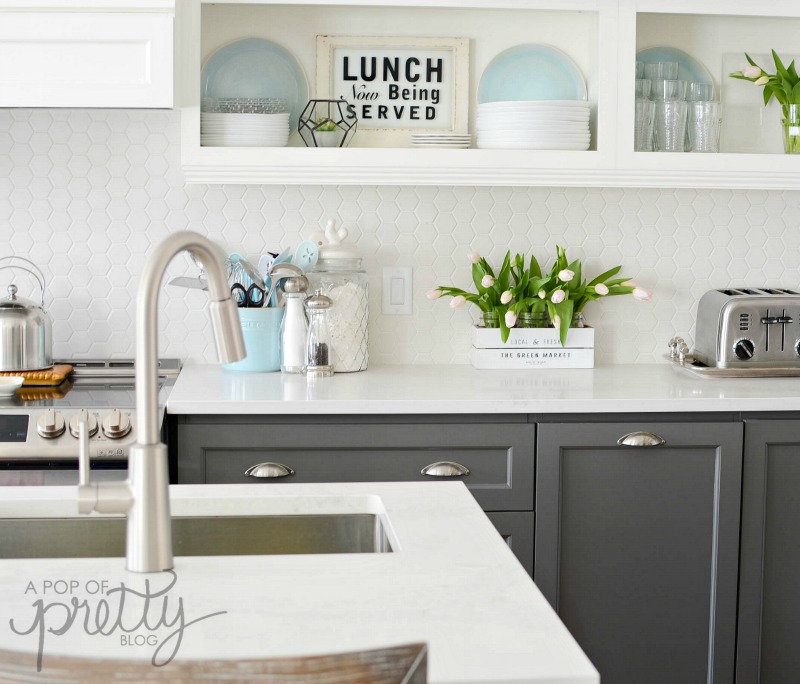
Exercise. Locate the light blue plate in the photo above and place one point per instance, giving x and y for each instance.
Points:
(531, 72)
(689, 69)
(254, 67)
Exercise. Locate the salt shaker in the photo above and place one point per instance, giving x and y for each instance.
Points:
(294, 327)
(318, 363)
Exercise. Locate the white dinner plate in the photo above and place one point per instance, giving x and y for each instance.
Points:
(531, 146)
(9, 384)
(533, 105)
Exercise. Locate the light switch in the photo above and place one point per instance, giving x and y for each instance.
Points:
(396, 294)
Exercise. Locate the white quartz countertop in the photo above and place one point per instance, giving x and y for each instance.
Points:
(431, 389)
(451, 582)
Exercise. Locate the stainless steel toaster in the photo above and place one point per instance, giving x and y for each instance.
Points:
(748, 327)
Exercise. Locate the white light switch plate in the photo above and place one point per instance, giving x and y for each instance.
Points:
(396, 294)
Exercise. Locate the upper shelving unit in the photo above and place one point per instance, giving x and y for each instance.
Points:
(600, 36)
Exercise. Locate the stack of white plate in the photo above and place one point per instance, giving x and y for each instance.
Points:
(534, 125)
(443, 140)
(244, 130)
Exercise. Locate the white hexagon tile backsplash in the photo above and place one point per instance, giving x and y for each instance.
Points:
(86, 194)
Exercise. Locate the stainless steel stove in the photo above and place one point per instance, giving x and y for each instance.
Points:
(39, 425)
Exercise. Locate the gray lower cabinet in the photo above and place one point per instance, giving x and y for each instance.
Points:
(637, 546)
(768, 649)
(497, 454)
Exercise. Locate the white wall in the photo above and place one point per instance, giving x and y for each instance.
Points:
(86, 194)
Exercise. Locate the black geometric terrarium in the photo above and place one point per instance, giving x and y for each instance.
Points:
(327, 123)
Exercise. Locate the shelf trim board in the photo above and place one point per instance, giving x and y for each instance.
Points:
(557, 5)
(491, 177)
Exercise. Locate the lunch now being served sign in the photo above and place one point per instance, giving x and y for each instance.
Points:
(397, 86)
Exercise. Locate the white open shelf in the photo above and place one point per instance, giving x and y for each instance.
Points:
(602, 36)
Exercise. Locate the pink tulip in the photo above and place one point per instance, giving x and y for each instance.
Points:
(487, 280)
(433, 294)
(566, 275)
(474, 257)
(751, 72)
(601, 289)
(511, 319)
(457, 301)
(642, 295)
(762, 81)
(505, 298)
(558, 296)
(541, 294)
(557, 322)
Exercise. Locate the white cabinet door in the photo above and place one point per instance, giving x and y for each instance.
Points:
(86, 59)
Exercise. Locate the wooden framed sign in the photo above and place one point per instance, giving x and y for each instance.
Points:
(397, 86)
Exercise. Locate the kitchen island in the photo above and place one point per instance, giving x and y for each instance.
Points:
(449, 581)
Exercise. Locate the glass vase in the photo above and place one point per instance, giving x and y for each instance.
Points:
(791, 129)
(538, 319)
(491, 319)
(577, 320)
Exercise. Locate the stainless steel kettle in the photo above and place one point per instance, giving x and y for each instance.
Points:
(26, 331)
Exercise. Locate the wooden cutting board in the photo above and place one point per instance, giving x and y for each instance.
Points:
(47, 377)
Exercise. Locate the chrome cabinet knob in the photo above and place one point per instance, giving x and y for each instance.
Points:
(641, 439)
(445, 469)
(269, 470)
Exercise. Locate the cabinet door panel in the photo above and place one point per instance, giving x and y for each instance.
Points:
(769, 595)
(637, 547)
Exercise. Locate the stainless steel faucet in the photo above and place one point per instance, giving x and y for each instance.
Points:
(144, 496)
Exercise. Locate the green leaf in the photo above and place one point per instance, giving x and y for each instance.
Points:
(767, 95)
(534, 269)
(750, 60)
(779, 65)
(564, 311)
(604, 276)
(792, 69)
(796, 93)
(504, 331)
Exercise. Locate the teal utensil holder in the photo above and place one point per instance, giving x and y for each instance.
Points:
(261, 329)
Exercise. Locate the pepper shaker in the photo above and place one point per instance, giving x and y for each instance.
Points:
(294, 327)
(318, 362)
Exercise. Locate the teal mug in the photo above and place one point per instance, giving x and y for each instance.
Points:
(261, 329)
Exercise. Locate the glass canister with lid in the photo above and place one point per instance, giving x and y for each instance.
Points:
(339, 274)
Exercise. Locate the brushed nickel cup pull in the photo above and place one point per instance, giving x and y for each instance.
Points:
(269, 470)
(445, 469)
(641, 439)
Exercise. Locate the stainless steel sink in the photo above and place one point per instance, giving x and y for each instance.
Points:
(198, 536)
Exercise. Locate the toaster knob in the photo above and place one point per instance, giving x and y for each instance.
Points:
(744, 349)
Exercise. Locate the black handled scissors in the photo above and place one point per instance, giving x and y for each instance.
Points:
(250, 297)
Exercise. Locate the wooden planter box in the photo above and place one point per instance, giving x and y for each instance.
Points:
(532, 348)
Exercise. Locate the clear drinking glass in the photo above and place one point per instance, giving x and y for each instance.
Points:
(639, 69)
(705, 121)
(643, 125)
(661, 70)
(700, 92)
(668, 89)
(643, 86)
(669, 128)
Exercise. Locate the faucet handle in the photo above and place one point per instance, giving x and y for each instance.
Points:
(87, 492)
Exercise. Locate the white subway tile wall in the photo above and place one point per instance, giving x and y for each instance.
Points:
(86, 194)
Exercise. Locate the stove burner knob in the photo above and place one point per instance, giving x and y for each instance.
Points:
(116, 425)
(744, 349)
(91, 421)
(51, 424)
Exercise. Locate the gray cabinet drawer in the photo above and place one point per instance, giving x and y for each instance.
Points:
(499, 456)
(516, 528)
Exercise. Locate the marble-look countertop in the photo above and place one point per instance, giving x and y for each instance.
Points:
(442, 389)
(451, 582)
